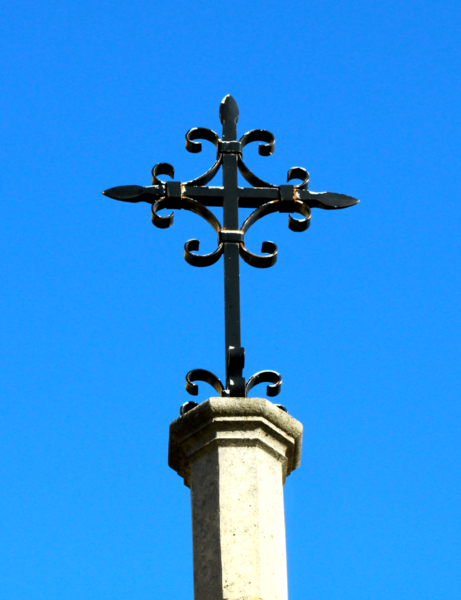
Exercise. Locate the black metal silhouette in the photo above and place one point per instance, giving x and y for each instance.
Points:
(264, 197)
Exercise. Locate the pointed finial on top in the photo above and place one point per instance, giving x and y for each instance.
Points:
(229, 115)
(228, 110)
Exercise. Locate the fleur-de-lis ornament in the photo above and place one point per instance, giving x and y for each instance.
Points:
(266, 198)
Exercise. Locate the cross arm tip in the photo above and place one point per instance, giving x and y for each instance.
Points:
(328, 200)
(126, 193)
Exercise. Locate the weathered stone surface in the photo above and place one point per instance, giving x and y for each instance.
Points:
(235, 454)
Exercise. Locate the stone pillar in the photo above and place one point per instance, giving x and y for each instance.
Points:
(235, 454)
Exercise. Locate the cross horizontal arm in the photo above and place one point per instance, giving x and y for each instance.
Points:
(208, 196)
(213, 196)
(248, 197)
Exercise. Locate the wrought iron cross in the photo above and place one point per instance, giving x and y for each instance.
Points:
(264, 197)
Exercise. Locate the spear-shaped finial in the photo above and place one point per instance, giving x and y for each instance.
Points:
(229, 115)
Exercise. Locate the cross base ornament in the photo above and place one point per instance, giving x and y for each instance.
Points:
(197, 197)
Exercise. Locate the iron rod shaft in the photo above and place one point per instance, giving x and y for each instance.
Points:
(234, 365)
(232, 295)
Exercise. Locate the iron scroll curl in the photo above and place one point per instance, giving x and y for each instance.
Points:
(203, 133)
(196, 260)
(202, 375)
(266, 149)
(272, 377)
(263, 262)
(178, 201)
(255, 260)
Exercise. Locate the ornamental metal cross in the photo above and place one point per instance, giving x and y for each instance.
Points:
(266, 198)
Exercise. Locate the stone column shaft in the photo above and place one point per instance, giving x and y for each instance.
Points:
(234, 454)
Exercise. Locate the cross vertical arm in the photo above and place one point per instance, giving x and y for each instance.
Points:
(235, 354)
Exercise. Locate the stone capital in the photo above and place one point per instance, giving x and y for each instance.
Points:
(244, 422)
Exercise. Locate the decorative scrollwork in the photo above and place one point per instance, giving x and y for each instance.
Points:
(191, 205)
(260, 135)
(201, 260)
(256, 135)
(299, 173)
(202, 133)
(266, 377)
(195, 196)
(202, 375)
(271, 377)
(161, 169)
(157, 220)
(253, 179)
(208, 176)
(204, 260)
(255, 260)
(300, 224)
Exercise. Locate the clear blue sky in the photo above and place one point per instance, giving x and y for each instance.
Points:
(101, 317)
